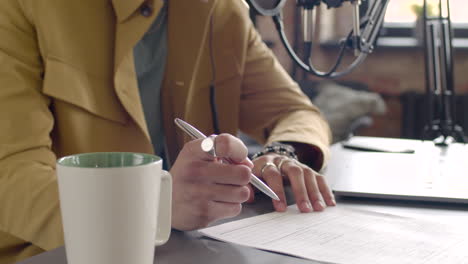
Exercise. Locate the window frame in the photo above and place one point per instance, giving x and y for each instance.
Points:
(401, 34)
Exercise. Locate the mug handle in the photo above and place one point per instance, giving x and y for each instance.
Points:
(165, 209)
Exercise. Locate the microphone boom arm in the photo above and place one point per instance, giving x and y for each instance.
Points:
(362, 43)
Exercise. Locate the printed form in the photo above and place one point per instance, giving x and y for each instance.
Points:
(347, 235)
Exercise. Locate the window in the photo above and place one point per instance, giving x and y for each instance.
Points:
(401, 11)
(400, 21)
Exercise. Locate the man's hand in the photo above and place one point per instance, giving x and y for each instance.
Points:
(310, 189)
(206, 190)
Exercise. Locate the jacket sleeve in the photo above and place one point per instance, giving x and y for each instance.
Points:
(29, 204)
(273, 106)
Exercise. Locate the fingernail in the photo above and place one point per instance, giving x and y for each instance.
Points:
(307, 206)
(319, 205)
(333, 201)
(281, 206)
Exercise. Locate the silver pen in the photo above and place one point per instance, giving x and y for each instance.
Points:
(196, 134)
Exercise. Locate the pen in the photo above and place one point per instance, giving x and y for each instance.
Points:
(196, 134)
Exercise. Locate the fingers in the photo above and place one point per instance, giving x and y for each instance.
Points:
(198, 204)
(205, 190)
(251, 198)
(310, 189)
(228, 146)
(225, 145)
(220, 173)
(298, 185)
(326, 192)
(273, 179)
(313, 190)
(223, 193)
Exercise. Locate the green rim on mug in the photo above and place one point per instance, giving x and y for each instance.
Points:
(108, 160)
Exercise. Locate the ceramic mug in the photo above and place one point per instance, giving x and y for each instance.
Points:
(116, 206)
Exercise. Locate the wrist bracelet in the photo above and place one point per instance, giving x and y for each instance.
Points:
(278, 148)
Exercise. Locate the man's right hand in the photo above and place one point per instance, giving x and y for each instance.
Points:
(204, 188)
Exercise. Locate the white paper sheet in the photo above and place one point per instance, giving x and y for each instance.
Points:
(346, 235)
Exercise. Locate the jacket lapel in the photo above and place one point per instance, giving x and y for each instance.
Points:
(188, 27)
(130, 28)
(124, 8)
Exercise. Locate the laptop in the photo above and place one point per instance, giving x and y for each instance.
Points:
(399, 169)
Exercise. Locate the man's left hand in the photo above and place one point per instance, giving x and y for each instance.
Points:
(310, 189)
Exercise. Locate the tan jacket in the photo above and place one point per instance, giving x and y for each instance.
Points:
(68, 85)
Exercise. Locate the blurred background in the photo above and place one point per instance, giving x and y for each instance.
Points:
(393, 73)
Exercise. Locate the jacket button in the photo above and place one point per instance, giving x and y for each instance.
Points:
(146, 10)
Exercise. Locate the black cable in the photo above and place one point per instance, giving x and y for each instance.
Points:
(308, 68)
(214, 110)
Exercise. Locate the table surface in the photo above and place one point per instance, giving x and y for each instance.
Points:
(190, 247)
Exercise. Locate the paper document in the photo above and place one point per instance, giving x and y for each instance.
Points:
(346, 235)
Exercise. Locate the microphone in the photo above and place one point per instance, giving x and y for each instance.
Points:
(361, 40)
(356, 38)
(308, 28)
(356, 35)
(308, 17)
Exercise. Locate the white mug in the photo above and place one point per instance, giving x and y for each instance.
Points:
(116, 206)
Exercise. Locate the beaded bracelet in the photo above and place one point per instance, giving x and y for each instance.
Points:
(278, 148)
